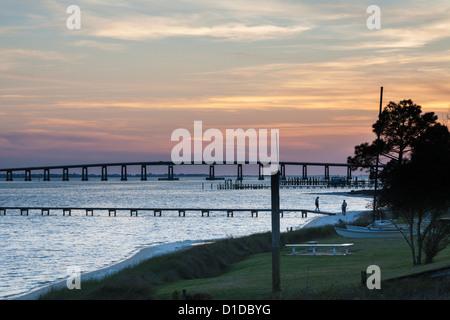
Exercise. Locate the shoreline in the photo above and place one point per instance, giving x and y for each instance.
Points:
(140, 256)
(161, 249)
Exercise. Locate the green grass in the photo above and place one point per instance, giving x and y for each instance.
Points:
(320, 276)
(241, 268)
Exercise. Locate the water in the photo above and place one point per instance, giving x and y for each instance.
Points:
(37, 250)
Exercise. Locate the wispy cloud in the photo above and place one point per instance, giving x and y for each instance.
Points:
(144, 27)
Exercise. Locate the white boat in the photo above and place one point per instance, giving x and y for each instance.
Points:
(366, 232)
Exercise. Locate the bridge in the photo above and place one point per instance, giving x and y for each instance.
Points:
(64, 169)
(112, 211)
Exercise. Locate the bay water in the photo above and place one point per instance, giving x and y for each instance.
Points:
(36, 250)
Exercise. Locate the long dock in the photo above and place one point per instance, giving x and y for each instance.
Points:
(156, 211)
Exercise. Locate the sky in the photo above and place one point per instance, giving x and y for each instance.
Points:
(115, 89)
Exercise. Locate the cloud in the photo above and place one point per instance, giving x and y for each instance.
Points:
(99, 45)
(142, 28)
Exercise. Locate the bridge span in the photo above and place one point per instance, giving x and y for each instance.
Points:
(64, 169)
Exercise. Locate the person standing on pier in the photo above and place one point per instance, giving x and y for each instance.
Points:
(344, 208)
(317, 204)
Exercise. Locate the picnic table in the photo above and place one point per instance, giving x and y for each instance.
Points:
(313, 245)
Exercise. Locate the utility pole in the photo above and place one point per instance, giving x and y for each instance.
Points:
(375, 207)
(275, 193)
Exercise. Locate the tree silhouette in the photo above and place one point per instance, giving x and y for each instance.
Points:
(399, 124)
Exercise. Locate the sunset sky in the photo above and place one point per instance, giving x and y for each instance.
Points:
(137, 70)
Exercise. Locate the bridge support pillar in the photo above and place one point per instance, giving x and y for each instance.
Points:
(327, 173)
(84, 174)
(169, 174)
(304, 172)
(143, 172)
(349, 174)
(104, 173)
(46, 174)
(123, 173)
(239, 172)
(27, 175)
(205, 211)
(9, 176)
(283, 172)
(212, 175)
(261, 172)
(65, 174)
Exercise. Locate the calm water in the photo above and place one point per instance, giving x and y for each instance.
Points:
(36, 250)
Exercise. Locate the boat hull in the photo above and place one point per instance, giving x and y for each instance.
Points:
(362, 233)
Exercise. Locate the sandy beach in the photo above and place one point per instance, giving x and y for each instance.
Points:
(332, 220)
(142, 255)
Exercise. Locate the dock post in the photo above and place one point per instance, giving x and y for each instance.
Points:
(123, 173)
(104, 173)
(143, 172)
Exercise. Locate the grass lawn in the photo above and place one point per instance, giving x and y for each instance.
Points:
(241, 268)
(302, 276)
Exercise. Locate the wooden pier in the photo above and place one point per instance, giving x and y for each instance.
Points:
(297, 182)
(89, 211)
